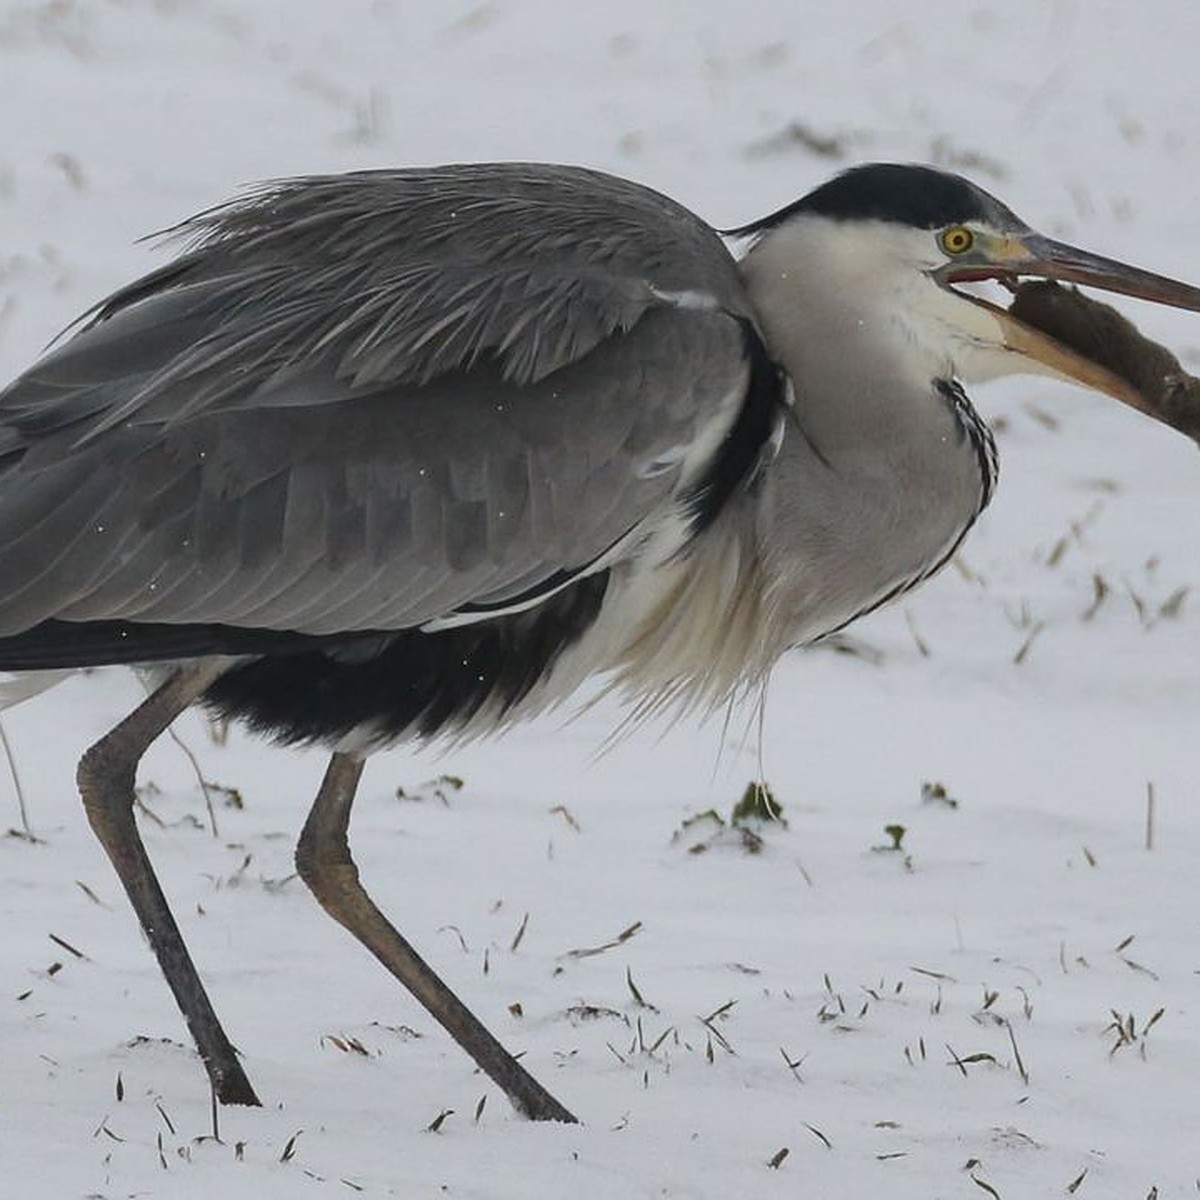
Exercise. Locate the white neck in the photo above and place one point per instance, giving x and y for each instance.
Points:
(875, 480)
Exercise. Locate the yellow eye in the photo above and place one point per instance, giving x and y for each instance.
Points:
(958, 239)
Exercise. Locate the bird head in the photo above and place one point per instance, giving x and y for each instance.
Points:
(914, 244)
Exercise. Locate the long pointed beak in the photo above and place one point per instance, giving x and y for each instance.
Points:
(1033, 255)
(1056, 260)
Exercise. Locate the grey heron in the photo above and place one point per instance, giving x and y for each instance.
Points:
(411, 453)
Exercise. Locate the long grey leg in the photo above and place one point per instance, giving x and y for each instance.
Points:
(324, 862)
(106, 781)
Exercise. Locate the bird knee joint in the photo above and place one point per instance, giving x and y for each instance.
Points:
(103, 773)
(322, 865)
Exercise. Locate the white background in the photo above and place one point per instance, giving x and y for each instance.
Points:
(1010, 912)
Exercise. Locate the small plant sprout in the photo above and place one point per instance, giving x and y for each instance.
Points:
(758, 803)
(937, 795)
(895, 833)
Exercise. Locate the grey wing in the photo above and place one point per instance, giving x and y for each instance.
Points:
(369, 401)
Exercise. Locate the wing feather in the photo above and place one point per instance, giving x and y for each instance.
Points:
(370, 401)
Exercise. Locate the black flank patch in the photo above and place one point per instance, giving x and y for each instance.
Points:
(301, 688)
(415, 683)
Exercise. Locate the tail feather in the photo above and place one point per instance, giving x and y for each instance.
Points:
(16, 687)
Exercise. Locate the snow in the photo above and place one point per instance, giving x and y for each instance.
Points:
(933, 1021)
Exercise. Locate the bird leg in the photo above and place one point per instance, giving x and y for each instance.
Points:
(106, 777)
(324, 863)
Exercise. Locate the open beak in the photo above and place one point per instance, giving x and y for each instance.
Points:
(1009, 260)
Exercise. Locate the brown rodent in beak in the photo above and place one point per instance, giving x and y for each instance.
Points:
(1101, 334)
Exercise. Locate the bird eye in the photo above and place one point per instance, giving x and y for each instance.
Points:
(958, 239)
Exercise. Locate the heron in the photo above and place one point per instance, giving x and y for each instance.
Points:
(413, 453)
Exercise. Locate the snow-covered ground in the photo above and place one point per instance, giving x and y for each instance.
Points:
(1008, 1005)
